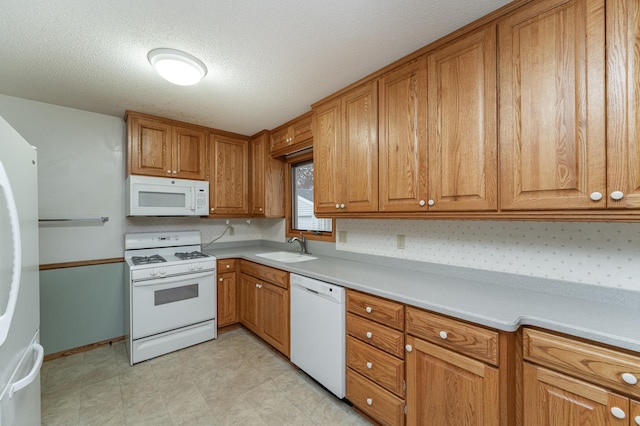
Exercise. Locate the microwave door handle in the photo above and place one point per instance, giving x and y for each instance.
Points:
(193, 198)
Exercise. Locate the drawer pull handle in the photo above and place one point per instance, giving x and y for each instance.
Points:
(369, 335)
(220, 279)
(618, 413)
(409, 348)
(369, 401)
(228, 266)
(629, 378)
(369, 365)
(368, 309)
(443, 335)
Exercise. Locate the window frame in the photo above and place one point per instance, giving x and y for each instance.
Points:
(289, 232)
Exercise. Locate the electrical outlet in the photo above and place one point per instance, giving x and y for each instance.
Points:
(342, 236)
(400, 240)
(231, 231)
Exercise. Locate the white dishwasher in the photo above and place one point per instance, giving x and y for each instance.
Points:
(318, 331)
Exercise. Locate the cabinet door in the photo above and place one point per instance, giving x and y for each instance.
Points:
(623, 103)
(249, 302)
(403, 148)
(275, 316)
(446, 388)
(553, 399)
(280, 139)
(462, 133)
(326, 157)
(229, 176)
(359, 149)
(149, 147)
(552, 96)
(227, 299)
(189, 153)
(258, 157)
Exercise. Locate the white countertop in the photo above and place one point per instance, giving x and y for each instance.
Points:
(497, 306)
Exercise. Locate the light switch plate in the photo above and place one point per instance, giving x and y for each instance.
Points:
(342, 236)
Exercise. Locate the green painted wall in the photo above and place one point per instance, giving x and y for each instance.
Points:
(80, 306)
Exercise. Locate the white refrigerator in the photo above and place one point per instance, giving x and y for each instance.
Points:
(20, 351)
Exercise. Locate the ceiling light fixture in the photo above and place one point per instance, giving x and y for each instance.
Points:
(177, 67)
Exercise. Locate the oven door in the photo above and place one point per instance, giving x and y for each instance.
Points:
(164, 304)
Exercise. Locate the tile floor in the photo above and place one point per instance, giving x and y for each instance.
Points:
(234, 380)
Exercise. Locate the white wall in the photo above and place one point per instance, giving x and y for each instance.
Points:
(604, 254)
(81, 173)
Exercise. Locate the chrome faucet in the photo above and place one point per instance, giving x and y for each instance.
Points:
(302, 241)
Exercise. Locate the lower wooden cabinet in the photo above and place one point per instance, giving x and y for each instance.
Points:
(446, 388)
(227, 292)
(264, 303)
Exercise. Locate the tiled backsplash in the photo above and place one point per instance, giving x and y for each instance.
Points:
(605, 254)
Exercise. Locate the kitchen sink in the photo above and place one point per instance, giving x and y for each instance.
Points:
(286, 256)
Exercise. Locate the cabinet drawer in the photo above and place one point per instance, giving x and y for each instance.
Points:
(376, 309)
(384, 338)
(272, 275)
(376, 402)
(475, 341)
(226, 265)
(382, 368)
(604, 366)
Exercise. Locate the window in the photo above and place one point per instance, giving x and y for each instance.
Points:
(300, 215)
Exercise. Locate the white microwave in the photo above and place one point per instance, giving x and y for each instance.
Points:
(158, 196)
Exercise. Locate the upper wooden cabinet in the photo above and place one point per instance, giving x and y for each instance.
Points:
(462, 124)
(345, 152)
(623, 104)
(267, 179)
(552, 106)
(292, 136)
(403, 147)
(228, 176)
(160, 148)
(452, 93)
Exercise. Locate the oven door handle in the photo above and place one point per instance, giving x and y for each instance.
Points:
(173, 278)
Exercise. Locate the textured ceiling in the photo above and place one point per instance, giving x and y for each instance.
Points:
(267, 60)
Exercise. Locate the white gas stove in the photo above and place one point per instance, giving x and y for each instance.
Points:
(170, 294)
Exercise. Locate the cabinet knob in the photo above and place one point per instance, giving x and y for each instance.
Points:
(431, 202)
(369, 401)
(342, 206)
(629, 378)
(637, 419)
(368, 309)
(409, 348)
(422, 203)
(260, 208)
(220, 279)
(169, 171)
(228, 266)
(257, 285)
(369, 335)
(443, 335)
(617, 195)
(213, 208)
(618, 413)
(174, 172)
(369, 365)
(337, 206)
(596, 196)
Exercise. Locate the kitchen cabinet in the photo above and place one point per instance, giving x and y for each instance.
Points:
(552, 106)
(567, 381)
(462, 124)
(452, 378)
(623, 104)
(264, 303)
(345, 152)
(161, 148)
(227, 292)
(228, 176)
(375, 357)
(292, 137)
(267, 179)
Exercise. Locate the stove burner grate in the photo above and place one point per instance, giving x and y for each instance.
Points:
(146, 260)
(191, 255)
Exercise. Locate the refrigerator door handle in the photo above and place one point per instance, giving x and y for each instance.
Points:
(29, 378)
(5, 319)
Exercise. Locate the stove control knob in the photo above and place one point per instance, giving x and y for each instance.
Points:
(163, 271)
(199, 265)
(153, 272)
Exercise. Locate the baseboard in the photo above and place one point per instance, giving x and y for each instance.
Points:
(80, 349)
